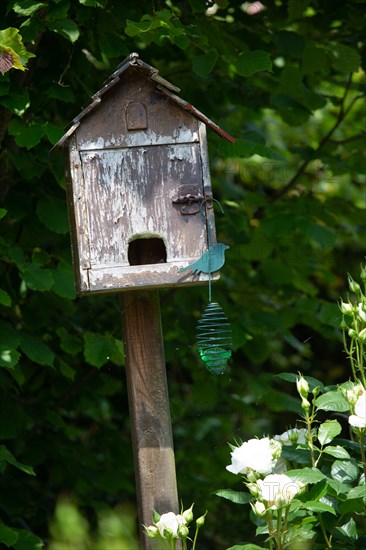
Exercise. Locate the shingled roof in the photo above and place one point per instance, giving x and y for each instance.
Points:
(133, 60)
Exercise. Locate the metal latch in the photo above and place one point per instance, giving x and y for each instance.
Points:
(189, 199)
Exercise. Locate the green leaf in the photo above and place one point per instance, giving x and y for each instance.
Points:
(316, 492)
(53, 214)
(253, 61)
(7, 457)
(338, 487)
(299, 456)
(306, 475)
(54, 133)
(3, 213)
(100, 348)
(67, 28)
(316, 506)
(203, 64)
(36, 350)
(8, 536)
(60, 92)
(345, 471)
(238, 497)
(345, 59)
(247, 148)
(320, 235)
(347, 444)
(290, 110)
(9, 336)
(5, 299)
(64, 281)
(26, 136)
(357, 492)
(9, 358)
(328, 431)
(337, 452)
(36, 277)
(28, 541)
(17, 101)
(354, 505)
(246, 547)
(26, 8)
(11, 40)
(314, 59)
(348, 530)
(66, 370)
(69, 343)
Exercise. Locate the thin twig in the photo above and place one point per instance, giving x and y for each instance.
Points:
(60, 80)
(348, 140)
(343, 112)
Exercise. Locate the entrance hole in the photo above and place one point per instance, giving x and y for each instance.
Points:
(147, 251)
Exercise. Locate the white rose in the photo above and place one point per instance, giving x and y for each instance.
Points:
(170, 521)
(258, 508)
(346, 308)
(255, 454)
(361, 312)
(277, 490)
(294, 436)
(360, 407)
(358, 420)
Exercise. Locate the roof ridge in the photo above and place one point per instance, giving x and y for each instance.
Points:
(169, 89)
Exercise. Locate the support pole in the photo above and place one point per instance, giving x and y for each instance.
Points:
(152, 438)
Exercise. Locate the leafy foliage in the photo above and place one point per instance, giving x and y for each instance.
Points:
(288, 83)
(303, 502)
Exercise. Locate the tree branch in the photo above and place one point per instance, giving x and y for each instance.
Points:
(343, 112)
(348, 140)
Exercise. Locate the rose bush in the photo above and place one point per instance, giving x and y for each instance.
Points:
(310, 492)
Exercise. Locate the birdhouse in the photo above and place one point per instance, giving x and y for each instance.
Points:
(138, 184)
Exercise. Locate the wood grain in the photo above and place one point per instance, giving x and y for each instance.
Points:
(149, 408)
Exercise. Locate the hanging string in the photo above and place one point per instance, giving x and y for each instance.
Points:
(213, 329)
(204, 214)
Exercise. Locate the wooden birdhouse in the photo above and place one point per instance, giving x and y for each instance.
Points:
(138, 184)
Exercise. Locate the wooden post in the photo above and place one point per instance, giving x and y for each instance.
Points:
(152, 438)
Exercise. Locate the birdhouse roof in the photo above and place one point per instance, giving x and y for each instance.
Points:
(133, 60)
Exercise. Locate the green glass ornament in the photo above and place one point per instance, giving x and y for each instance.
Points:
(214, 338)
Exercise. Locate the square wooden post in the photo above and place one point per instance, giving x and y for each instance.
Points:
(152, 438)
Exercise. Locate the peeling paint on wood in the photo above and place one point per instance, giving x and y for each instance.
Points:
(128, 159)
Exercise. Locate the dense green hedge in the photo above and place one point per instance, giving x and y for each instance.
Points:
(288, 83)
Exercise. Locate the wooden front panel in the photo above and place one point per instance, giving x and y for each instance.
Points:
(129, 194)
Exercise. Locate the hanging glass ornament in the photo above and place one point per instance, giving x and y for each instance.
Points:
(214, 338)
(213, 329)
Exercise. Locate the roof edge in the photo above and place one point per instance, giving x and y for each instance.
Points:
(169, 89)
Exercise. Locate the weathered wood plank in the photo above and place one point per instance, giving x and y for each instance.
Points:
(110, 278)
(129, 194)
(149, 408)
